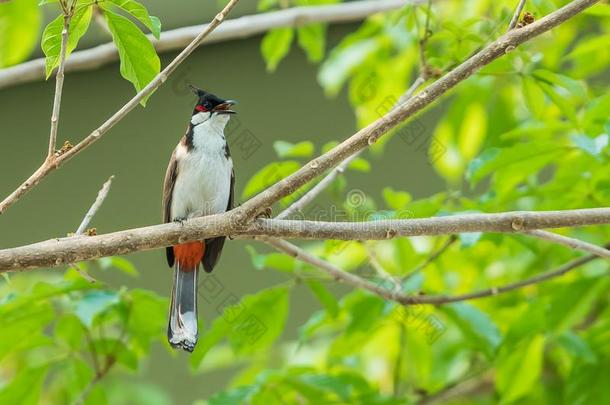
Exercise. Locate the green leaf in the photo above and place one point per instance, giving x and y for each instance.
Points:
(25, 388)
(141, 13)
(311, 39)
(118, 262)
(473, 131)
(494, 159)
(518, 370)
(19, 26)
(70, 330)
(93, 304)
(51, 37)
(476, 325)
(534, 96)
(396, 200)
(593, 146)
(147, 316)
(275, 46)
(260, 320)
(360, 164)
(139, 61)
(325, 297)
(268, 175)
(286, 149)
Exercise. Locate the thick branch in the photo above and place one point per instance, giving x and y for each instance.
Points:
(237, 28)
(49, 166)
(374, 131)
(56, 252)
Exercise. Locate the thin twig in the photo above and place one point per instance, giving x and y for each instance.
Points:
(515, 19)
(59, 84)
(570, 242)
(358, 282)
(101, 196)
(435, 255)
(50, 166)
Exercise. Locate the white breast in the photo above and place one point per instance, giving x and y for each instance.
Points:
(204, 173)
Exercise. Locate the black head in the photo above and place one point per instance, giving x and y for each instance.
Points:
(208, 102)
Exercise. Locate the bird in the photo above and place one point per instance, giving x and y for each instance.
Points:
(199, 181)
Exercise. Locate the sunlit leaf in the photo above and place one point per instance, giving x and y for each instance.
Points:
(276, 45)
(19, 24)
(139, 60)
(51, 37)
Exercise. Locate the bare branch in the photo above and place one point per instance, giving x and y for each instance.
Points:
(59, 84)
(238, 28)
(570, 242)
(49, 166)
(394, 295)
(56, 252)
(101, 196)
(435, 255)
(515, 19)
(370, 134)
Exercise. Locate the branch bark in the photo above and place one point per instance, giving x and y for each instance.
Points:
(50, 165)
(242, 27)
(570, 242)
(56, 252)
(59, 85)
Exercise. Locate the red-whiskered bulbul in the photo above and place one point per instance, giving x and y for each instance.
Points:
(199, 181)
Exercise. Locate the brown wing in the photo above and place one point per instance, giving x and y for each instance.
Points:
(213, 246)
(168, 189)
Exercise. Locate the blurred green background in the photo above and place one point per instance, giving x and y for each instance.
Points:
(287, 105)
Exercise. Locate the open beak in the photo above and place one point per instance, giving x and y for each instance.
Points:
(225, 108)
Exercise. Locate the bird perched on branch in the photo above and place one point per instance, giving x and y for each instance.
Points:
(199, 181)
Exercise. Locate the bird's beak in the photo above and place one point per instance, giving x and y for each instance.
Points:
(225, 108)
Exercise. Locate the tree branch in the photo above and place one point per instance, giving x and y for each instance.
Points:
(370, 134)
(238, 28)
(395, 295)
(570, 242)
(50, 166)
(515, 19)
(56, 252)
(99, 200)
(59, 84)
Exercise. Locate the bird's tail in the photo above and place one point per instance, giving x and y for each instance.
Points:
(182, 327)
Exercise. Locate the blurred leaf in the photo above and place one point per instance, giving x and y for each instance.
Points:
(141, 13)
(268, 175)
(276, 45)
(25, 388)
(494, 159)
(360, 164)
(260, 320)
(324, 296)
(518, 371)
(593, 146)
(19, 24)
(286, 149)
(588, 384)
(94, 303)
(473, 131)
(311, 38)
(397, 200)
(118, 262)
(70, 330)
(476, 325)
(51, 37)
(139, 61)
(147, 316)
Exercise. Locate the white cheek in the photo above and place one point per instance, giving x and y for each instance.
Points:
(200, 117)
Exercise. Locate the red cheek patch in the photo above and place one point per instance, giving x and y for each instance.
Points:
(201, 108)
